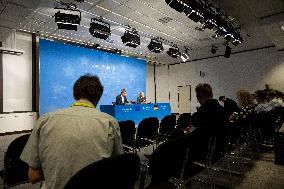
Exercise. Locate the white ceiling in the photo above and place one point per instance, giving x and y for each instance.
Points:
(144, 15)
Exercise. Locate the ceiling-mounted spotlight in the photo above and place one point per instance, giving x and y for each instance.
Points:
(68, 18)
(237, 41)
(229, 36)
(185, 55)
(221, 31)
(155, 46)
(99, 28)
(211, 24)
(193, 11)
(178, 5)
(131, 38)
(195, 15)
(173, 52)
(214, 49)
(234, 38)
(227, 51)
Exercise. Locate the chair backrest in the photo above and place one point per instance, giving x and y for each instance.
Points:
(207, 146)
(116, 172)
(127, 130)
(184, 120)
(15, 170)
(266, 123)
(167, 159)
(167, 124)
(148, 128)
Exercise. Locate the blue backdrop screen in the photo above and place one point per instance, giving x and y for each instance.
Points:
(62, 64)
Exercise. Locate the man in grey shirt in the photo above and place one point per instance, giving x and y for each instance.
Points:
(65, 141)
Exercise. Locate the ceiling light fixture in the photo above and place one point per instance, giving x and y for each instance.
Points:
(173, 51)
(185, 55)
(214, 49)
(131, 38)
(155, 46)
(99, 28)
(68, 18)
(178, 5)
(227, 51)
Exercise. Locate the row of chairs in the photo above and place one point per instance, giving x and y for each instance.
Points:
(15, 170)
(150, 131)
(172, 159)
(173, 164)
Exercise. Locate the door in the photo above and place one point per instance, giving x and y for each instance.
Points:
(184, 99)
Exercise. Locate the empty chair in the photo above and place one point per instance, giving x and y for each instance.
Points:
(127, 130)
(15, 170)
(120, 171)
(147, 132)
(184, 120)
(167, 160)
(167, 124)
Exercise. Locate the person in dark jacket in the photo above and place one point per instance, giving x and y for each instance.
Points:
(121, 99)
(230, 105)
(208, 122)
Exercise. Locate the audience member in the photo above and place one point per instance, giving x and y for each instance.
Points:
(209, 122)
(246, 106)
(230, 105)
(261, 98)
(274, 102)
(67, 140)
(210, 115)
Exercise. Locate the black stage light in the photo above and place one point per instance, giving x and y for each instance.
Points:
(193, 11)
(211, 24)
(67, 21)
(99, 28)
(131, 38)
(185, 55)
(227, 52)
(173, 52)
(234, 38)
(178, 5)
(238, 40)
(214, 49)
(155, 46)
(195, 15)
(221, 30)
(229, 36)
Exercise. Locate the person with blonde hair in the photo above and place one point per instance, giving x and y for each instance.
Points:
(246, 105)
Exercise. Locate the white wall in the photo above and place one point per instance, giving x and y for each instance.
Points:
(248, 70)
(17, 74)
(150, 86)
(17, 85)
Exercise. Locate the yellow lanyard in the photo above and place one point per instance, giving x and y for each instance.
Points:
(83, 104)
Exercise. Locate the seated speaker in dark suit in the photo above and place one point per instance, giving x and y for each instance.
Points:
(121, 99)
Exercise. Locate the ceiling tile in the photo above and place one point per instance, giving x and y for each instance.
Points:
(109, 4)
